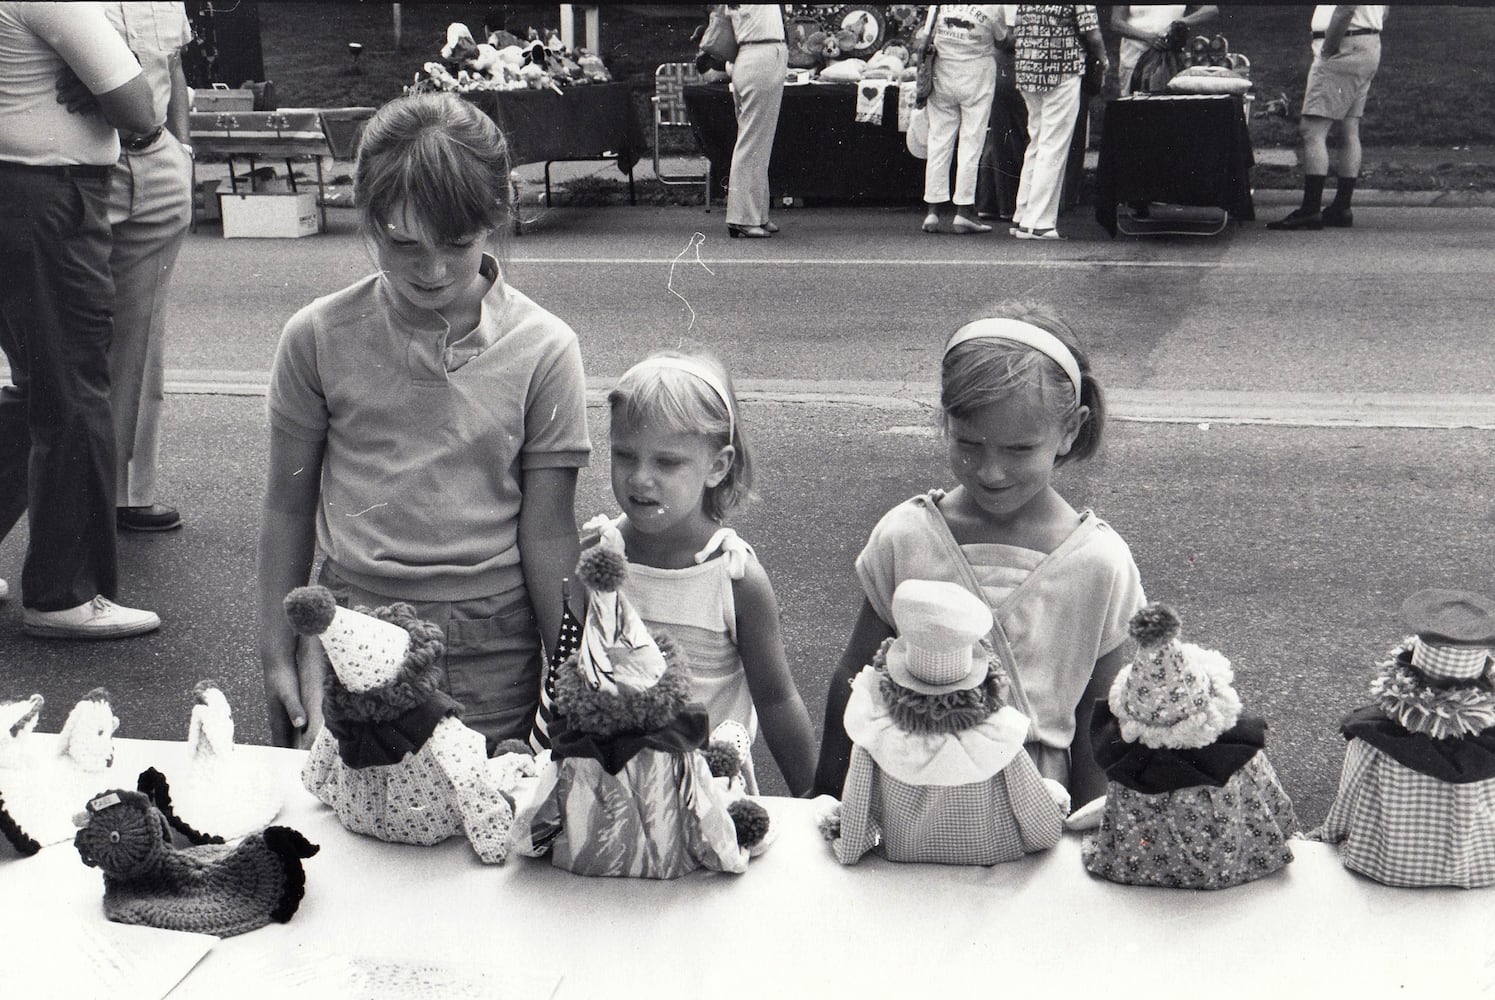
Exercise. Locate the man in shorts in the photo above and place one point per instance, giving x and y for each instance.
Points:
(1347, 51)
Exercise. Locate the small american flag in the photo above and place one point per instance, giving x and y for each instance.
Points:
(565, 645)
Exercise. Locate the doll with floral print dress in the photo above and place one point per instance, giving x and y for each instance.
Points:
(1416, 800)
(1191, 800)
(938, 771)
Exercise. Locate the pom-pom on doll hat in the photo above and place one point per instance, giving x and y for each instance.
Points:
(365, 652)
(1455, 633)
(1173, 694)
(940, 627)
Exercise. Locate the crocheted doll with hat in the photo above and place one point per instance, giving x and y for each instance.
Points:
(1416, 799)
(1192, 801)
(628, 790)
(938, 771)
(17, 768)
(216, 790)
(393, 757)
(210, 889)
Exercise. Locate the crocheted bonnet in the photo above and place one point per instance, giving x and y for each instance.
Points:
(1173, 694)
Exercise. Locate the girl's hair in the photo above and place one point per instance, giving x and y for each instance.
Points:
(983, 371)
(679, 402)
(439, 156)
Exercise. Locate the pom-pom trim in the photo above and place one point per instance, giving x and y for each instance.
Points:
(1154, 624)
(1200, 728)
(310, 609)
(602, 569)
(1403, 694)
(751, 821)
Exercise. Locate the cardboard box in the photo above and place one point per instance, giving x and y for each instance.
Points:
(269, 215)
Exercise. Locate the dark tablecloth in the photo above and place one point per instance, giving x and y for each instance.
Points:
(1178, 150)
(582, 122)
(822, 153)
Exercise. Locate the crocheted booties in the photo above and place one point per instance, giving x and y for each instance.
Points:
(209, 889)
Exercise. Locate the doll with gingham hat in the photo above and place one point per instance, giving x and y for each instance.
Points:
(629, 789)
(938, 771)
(393, 757)
(1416, 799)
(1192, 802)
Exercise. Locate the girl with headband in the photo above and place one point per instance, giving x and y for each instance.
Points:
(1018, 400)
(679, 466)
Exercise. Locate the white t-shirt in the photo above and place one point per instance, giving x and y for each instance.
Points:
(36, 41)
(1153, 18)
(1371, 16)
(966, 31)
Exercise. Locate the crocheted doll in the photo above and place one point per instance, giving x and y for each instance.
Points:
(216, 790)
(393, 757)
(1416, 800)
(17, 768)
(42, 789)
(1192, 801)
(628, 790)
(210, 889)
(938, 772)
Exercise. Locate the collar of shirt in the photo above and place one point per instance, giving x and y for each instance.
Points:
(432, 334)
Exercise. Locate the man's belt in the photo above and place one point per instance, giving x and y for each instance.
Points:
(1353, 31)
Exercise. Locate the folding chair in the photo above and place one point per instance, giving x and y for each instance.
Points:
(670, 80)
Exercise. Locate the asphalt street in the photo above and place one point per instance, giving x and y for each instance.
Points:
(1302, 434)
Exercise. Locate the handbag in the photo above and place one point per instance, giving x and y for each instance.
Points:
(1094, 79)
(924, 78)
(719, 41)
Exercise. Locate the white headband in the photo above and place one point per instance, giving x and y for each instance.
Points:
(1018, 332)
(700, 371)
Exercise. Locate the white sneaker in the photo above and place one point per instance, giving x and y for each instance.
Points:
(100, 618)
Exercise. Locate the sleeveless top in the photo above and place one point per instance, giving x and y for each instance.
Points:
(696, 607)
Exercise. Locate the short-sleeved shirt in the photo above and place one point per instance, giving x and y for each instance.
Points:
(1048, 47)
(1068, 612)
(966, 31)
(36, 41)
(155, 32)
(427, 438)
(1367, 17)
(756, 22)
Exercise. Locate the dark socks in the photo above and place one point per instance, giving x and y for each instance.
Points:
(1343, 193)
(1313, 193)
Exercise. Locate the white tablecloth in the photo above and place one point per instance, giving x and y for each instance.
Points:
(798, 924)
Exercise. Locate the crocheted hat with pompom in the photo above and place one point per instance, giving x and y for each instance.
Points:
(365, 652)
(1173, 694)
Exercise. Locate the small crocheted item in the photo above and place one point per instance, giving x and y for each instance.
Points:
(209, 889)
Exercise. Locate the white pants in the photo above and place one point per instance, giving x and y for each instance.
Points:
(150, 205)
(1051, 126)
(758, 83)
(960, 105)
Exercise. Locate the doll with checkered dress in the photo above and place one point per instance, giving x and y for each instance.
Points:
(1416, 799)
(938, 770)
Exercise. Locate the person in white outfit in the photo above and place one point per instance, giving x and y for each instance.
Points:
(1144, 26)
(758, 75)
(1053, 41)
(965, 38)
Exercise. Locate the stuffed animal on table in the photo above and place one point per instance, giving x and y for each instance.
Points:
(938, 771)
(393, 758)
(1416, 799)
(890, 63)
(212, 889)
(1192, 801)
(42, 789)
(628, 790)
(215, 792)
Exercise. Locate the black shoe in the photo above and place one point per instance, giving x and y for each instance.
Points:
(156, 517)
(1299, 219)
(1339, 218)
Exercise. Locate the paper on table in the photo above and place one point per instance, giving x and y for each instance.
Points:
(316, 975)
(85, 959)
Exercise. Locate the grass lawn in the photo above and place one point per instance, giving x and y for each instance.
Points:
(1421, 98)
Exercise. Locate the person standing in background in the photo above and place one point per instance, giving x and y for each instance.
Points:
(1052, 43)
(758, 84)
(1144, 26)
(150, 207)
(965, 38)
(1346, 54)
(56, 302)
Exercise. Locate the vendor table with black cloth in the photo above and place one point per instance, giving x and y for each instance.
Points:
(1182, 149)
(822, 153)
(796, 924)
(594, 121)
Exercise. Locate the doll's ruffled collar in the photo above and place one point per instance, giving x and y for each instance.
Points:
(959, 758)
(1443, 712)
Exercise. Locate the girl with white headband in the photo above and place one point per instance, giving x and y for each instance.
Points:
(1018, 400)
(679, 466)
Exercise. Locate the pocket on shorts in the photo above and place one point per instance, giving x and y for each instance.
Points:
(493, 668)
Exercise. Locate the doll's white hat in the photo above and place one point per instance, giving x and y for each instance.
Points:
(1455, 630)
(1173, 694)
(366, 653)
(940, 627)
